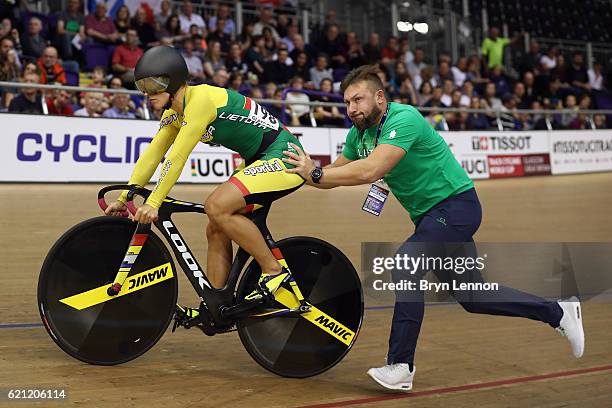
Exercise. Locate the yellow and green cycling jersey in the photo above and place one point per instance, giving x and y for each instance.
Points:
(224, 117)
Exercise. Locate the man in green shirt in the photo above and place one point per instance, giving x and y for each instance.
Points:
(493, 47)
(394, 142)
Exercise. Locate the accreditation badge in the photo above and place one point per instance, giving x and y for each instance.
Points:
(376, 198)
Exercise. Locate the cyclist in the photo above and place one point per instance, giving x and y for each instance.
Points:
(210, 114)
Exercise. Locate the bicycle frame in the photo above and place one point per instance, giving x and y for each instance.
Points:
(220, 302)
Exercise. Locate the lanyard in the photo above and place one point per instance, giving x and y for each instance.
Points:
(379, 129)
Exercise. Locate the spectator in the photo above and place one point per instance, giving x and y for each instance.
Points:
(493, 47)
(577, 76)
(436, 97)
(194, 64)
(425, 93)
(30, 68)
(523, 101)
(507, 116)
(100, 27)
(300, 114)
(406, 90)
(269, 42)
(292, 31)
(217, 33)
(282, 25)
(188, 18)
(554, 94)
(122, 19)
(33, 43)
(91, 107)
(570, 104)
(50, 70)
(301, 68)
(531, 60)
(415, 66)
(327, 115)
(28, 100)
(278, 71)
(599, 122)
(530, 89)
(120, 107)
(444, 73)
(460, 72)
(234, 62)
(320, 71)
(585, 102)
(501, 81)
(477, 121)
(199, 39)
(596, 77)
(537, 121)
(549, 60)
(266, 19)
(275, 109)
(255, 56)
(9, 68)
(146, 31)
(58, 103)
(213, 60)
(126, 56)
(271, 88)
(246, 37)
(467, 93)
(474, 74)
(236, 83)
(354, 53)
(447, 89)
(220, 78)
(300, 46)
(332, 45)
(372, 49)
(490, 100)
(172, 30)
(390, 52)
(562, 71)
(69, 23)
(165, 12)
(581, 122)
(223, 12)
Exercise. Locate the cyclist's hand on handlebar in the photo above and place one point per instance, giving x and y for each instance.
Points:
(146, 214)
(116, 209)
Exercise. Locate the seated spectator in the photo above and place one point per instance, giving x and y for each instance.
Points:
(146, 30)
(501, 81)
(236, 83)
(165, 12)
(490, 100)
(577, 76)
(537, 121)
(29, 99)
(354, 53)
(282, 25)
(266, 20)
(530, 90)
(279, 71)
(585, 102)
(30, 68)
(300, 66)
(58, 103)
(570, 104)
(220, 78)
(523, 101)
(122, 19)
(213, 61)
(333, 46)
(100, 27)
(320, 71)
(300, 114)
(599, 121)
(406, 90)
(287, 39)
(425, 93)
(50, 70)
(126, 56)
(188, 18)
(596, 77)
(91, 108)
(275, 109)
(327, 115)
(415, 66)
(269, 42)
(531, 60)
(223, 12)
(234, 61)
(194, 64)
(255, 56)
(444, 73)
(33, 43)
(246, 37)
(581, 122)
(467, 93)
(172, 30)
(447, 87)
(473, 73)
(217, 33)
(300, 46)
(69, 23)
(549, 60)
(120, 107)
(554, 93)
(199, 39)
(460, 72)
(508, 117)
(390, 52)
(372, 49)
(9, 69)
(477, 121)
(436, 98)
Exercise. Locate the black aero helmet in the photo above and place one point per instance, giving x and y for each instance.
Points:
(160, 69)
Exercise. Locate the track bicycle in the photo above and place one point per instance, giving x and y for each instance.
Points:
(108, 288)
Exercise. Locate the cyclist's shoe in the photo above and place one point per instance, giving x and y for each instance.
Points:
(269, 284)
(183, 316)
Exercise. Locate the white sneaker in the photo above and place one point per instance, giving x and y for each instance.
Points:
(394, 376)
(571, 325)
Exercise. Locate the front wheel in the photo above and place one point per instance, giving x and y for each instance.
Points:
(308, 344)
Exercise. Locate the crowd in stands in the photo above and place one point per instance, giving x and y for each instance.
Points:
(270, 59)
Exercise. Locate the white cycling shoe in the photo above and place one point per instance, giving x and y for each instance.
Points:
(394, 376)
(570, 325)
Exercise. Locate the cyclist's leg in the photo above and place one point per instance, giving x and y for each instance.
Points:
(219, 258)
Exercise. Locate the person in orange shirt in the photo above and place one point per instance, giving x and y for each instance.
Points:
(50, 70)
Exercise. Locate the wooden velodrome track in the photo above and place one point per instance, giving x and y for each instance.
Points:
(463, 360)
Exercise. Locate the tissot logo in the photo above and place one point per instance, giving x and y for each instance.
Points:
(501, 143)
